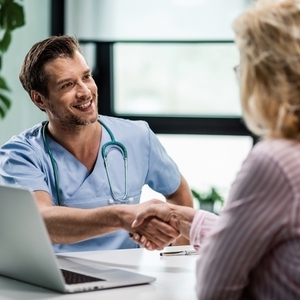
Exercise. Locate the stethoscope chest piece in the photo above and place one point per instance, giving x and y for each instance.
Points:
(125, 201)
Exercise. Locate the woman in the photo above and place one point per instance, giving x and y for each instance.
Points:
(253, 250)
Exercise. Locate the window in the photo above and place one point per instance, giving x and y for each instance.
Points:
(205, 161)
(188, 93)
(187, 79)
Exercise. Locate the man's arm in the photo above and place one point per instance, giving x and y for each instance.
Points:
(69, 225)
(182, 196)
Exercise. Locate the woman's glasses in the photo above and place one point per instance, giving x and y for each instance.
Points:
(237, 70)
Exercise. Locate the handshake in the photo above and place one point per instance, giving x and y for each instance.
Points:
(157, 223)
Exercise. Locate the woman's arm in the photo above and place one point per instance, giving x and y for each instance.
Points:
(247, 226)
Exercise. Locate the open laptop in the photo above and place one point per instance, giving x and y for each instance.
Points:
(26, 252)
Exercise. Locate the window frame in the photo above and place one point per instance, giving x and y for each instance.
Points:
(104, 78)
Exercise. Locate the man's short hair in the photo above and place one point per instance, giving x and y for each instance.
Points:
(32, 74)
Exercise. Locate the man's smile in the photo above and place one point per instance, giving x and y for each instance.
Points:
(84, 106)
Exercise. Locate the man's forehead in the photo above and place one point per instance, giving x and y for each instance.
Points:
(65, 59)
(64, 66)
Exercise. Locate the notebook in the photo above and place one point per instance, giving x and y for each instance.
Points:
(27, 255)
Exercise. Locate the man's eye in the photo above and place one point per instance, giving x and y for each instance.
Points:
(88, 76)
(66, 85)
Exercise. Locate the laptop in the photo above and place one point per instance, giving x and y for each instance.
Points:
(27, 255)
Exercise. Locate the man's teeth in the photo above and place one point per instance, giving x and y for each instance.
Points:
(84, 105)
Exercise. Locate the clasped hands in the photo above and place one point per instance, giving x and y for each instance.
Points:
(158, 223)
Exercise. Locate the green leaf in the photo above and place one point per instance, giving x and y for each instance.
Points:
(11, 17)
(3, 84)
(14, 15)
(2, 112)
(4, 43)
(5, 104)
(5, 100)
(195, 194)
(212, 195)
(2, 13)
(17, 13)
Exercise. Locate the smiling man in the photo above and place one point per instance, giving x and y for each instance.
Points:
(87, 170)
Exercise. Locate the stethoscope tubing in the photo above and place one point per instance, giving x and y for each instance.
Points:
(104, 152)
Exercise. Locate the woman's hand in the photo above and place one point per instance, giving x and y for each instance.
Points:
(178, 217)
(151, 233)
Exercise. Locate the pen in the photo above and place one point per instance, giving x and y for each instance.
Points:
(178, 253)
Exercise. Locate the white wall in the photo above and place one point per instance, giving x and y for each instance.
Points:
(23, 113)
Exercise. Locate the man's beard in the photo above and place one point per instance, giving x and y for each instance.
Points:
(74, 121)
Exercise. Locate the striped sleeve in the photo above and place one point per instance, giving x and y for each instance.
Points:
(202, 224)
(254, 214)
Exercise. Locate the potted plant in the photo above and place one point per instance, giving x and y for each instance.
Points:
(207, 200)
(11, 17)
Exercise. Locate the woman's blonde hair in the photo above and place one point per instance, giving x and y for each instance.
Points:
(268, 37)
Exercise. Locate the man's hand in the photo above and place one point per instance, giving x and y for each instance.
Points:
(153, 233)
(179, 217)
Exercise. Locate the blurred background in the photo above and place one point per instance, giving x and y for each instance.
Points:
(169, 62)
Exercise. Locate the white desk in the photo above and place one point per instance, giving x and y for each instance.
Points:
(175, 277)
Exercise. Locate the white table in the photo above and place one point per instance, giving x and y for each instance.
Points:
(175, 277)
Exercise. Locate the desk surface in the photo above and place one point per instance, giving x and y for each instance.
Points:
(175, 277)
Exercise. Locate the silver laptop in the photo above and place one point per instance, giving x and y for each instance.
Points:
(26, 252)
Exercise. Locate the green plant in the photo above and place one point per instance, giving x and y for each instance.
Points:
(11, 17)
(207, 200)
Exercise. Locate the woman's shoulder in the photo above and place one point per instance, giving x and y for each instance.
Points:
(282, 153)
(277, 148)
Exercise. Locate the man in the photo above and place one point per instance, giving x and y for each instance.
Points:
(76, 163)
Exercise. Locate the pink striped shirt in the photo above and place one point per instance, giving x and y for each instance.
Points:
(253, 250)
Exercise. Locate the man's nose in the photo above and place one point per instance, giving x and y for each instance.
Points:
(82, 90)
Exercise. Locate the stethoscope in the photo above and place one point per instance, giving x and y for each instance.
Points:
(104, 152)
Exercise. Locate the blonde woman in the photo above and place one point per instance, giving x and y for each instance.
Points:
(253, 250)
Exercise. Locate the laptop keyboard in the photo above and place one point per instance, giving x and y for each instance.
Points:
(75, 278)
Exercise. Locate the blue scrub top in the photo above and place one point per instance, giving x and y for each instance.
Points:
(24, 162)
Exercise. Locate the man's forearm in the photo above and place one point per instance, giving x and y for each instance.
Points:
(70, 225)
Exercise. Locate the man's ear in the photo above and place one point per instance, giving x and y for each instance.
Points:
(38, 99)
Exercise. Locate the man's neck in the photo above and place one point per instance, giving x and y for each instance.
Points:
(83, 142)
